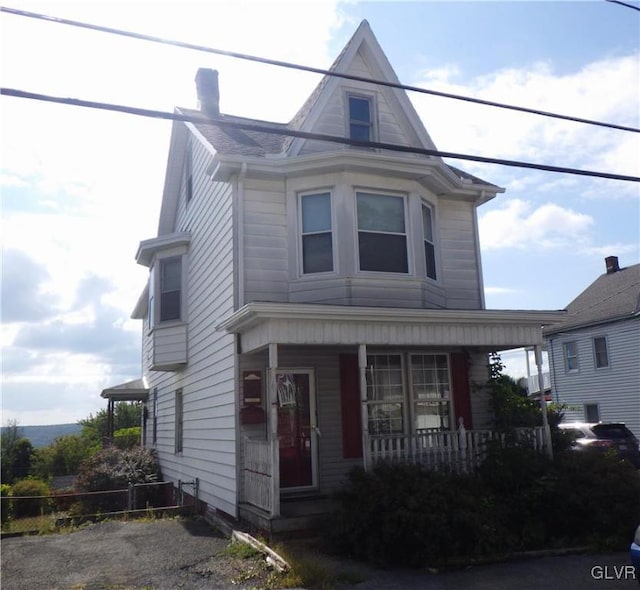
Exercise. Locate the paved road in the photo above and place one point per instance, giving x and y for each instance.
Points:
(171, 554)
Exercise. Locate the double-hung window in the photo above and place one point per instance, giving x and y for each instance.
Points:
(570, 356)
(431, 391)
(317, 235)
(385, 394)
(600, 352)
(154, 417)
(429, 241)
(360, 118)
(170, 288)
(382, 236)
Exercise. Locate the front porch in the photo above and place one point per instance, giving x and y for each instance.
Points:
(326, 388)
(458, 451)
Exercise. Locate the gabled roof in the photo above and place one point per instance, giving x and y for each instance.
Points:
(237, 142)
(611, 297)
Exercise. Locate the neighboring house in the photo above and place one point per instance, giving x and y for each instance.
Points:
(594, 353)
(313, 306)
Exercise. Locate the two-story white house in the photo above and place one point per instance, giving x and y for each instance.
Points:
(594, 353)
(312, 306)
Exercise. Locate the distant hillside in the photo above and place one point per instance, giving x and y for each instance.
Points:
(42, 436)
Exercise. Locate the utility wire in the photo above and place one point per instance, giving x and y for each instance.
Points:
(624, 4)
(311, 69)
(228, 124)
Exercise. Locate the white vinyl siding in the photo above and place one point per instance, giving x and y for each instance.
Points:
(614, 390)
(207, 381)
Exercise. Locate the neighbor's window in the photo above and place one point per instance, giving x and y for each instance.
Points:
(431, 391)
(385, 394)
(571, 356)
(382, 238)
(600, 352)
(317, 237)
(170, 288)
(591, 413)
(179, 421)
(429, 242)
(360, 118)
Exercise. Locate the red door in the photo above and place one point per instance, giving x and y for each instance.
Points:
(295, 430)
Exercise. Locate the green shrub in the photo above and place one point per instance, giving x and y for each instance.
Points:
(114, 469)
(29, 506)
(518, 500)
(5, 508)
(127, 438)
(406, 515)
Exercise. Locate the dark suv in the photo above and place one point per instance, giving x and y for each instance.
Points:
(603, 436)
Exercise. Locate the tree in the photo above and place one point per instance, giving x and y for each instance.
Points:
(125, 415)
(16, 453)
(64, 455)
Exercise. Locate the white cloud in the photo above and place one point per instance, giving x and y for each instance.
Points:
(606, 90)
(519, 224)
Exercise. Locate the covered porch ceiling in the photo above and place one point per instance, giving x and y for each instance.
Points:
(260, 324)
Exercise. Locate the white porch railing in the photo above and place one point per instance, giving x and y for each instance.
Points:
(460, 451)
(257, 473)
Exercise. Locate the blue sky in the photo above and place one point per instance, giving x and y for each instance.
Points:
(81, 188)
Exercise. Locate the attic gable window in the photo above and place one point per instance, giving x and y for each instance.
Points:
(429, 242)
(382, 238)
(360, 118)
(317, 235)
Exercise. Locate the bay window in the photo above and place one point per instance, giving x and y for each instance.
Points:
(170, 288)
(317, 235)
(382, 236)
(429, 242)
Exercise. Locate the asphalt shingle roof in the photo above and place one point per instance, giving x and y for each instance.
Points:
(610, 297)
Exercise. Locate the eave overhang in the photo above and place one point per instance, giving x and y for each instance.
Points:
(136, 390)
(149, 248)
(260, 324)
(430, 172)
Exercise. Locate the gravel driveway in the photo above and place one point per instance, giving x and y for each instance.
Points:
(139, 555)
(174, 554)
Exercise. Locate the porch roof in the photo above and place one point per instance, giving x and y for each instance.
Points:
(261, 323)
(136, 390)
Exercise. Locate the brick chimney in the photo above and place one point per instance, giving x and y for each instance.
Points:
(612, 265)
(208, 92)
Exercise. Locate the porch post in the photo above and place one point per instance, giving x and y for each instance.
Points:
(543, 403)
(273, 430)
(362, 365)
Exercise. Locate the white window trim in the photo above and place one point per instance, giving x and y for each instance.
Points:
(414, 400)
(154, 323)
(566, 356)
(407, 234)
(595, 355)
(300, 250)
(434, 242)
(373, 114)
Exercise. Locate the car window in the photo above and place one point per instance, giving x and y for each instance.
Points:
(612, 431)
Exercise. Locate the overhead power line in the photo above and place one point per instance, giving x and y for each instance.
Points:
(624, 4)
(284, 64)
(223, 123)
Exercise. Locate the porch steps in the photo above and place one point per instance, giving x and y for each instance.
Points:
(299, 514)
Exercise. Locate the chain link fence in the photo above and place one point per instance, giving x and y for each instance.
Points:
(41, 514)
